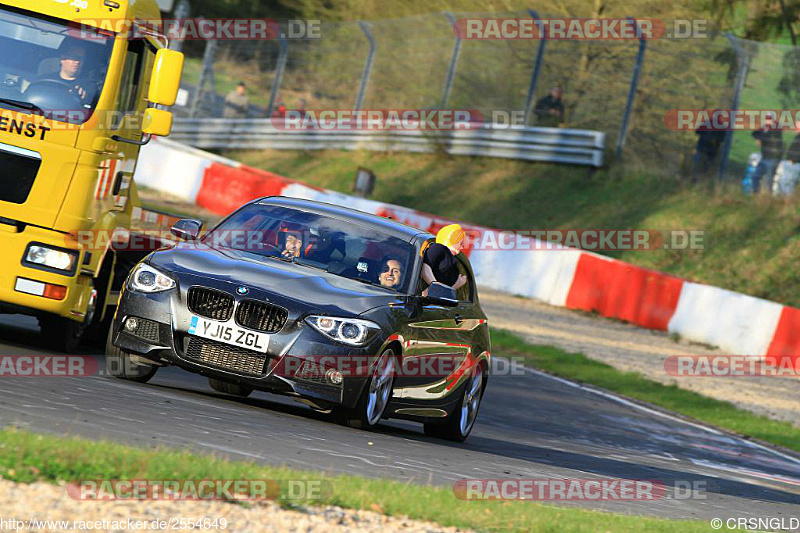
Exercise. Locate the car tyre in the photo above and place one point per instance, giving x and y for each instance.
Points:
(120, 365)
(226, 387)
(457, 425)
(376, 394)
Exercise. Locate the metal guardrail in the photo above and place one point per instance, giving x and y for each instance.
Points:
(555, 145)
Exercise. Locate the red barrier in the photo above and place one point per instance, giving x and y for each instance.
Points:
(786, 340)
(225, 188)
(620, 290)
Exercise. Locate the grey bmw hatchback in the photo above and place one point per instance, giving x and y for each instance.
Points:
(314, 301)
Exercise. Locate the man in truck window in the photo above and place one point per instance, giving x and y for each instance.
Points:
(72, 57)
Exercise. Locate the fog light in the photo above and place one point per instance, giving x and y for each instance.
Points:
(131, 324)
(333, 377)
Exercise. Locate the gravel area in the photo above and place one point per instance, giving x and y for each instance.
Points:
(631, 348)
(43, 501)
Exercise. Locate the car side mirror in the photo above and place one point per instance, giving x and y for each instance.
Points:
(440, 294)
(187, 229)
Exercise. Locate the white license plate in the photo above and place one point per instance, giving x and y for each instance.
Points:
(229, 334)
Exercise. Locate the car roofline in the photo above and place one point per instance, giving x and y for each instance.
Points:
(410, 233)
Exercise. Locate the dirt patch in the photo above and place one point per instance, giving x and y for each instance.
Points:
(43, 502)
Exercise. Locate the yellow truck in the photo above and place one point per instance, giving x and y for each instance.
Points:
(83, 84)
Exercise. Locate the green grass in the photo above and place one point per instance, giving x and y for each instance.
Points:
(28, 457)
(751, 244)
(578, 367)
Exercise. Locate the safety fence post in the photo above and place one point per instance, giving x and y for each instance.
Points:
(368, 66)
(537, 67)
(283, 53)
(451, 70)
(637, 69)
(206, 76)
(741, 76)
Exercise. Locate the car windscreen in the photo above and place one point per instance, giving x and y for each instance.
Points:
(354, 251)
(51, 67)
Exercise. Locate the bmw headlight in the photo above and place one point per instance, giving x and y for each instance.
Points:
(145, 278)
(352, 331)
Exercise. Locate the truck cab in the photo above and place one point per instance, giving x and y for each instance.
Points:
(83, 84)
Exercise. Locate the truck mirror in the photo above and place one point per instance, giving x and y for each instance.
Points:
(166, 78)
(157, 122)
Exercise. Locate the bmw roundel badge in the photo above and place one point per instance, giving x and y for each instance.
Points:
(242, 290)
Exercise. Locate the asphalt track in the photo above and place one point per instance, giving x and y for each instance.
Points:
(531, 426)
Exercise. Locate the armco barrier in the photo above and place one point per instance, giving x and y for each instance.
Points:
(737, 323)
(556, 145)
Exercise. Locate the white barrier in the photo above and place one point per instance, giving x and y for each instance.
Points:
(737, 323)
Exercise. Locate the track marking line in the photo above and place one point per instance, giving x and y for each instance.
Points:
(660, 414)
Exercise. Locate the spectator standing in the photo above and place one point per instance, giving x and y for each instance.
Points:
(708, 142)
(789, 170)
(549, 110)
(770, 139)
(237, 102)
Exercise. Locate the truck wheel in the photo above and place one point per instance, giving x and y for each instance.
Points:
(458, 424)
(119, 364)
(234, 389)
(61, 334)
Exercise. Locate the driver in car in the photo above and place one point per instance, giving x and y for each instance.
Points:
(72, 58)
(294, 243)
(391, 273)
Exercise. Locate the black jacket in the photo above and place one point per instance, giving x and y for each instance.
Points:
(771, 143)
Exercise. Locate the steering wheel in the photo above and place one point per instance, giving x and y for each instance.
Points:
(53, 94)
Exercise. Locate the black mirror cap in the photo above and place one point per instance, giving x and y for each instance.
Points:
(440, 294)
(187, 229)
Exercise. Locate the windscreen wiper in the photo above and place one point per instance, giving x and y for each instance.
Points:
(22, 105)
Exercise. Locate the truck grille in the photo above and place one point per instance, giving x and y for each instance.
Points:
(19, 170)
(226, 356)
(210, 303)
(261, 316)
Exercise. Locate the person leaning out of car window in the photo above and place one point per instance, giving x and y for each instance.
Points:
(439, 259)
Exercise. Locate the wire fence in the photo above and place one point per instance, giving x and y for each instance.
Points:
(419, 63)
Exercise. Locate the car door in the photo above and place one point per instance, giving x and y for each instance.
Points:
(437, 346)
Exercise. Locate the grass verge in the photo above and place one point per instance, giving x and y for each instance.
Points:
(578, 367)
(28, 457)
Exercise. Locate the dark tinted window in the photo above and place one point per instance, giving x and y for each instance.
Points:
(349, 250)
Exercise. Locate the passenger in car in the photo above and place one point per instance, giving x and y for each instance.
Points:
(439, 259)
(391, 274)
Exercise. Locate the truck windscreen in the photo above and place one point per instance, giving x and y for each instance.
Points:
(51, 67)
